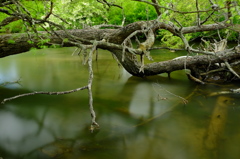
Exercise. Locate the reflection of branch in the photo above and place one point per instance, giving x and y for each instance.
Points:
(157, 116)
(217, 124)
(6, 83)
(231, 91)
(183, 99)
(94, 124)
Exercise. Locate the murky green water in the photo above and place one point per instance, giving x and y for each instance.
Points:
(139, 117)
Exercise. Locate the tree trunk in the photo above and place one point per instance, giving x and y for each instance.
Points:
(112, 39)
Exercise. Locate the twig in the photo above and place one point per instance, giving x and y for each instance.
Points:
(109, 4)
(50, 11)
(198, 15)
(157, 8)
(181, 12)
(42, 92)
(231, 69)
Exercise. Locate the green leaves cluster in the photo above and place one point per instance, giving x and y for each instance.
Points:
(190, 19)
(78, 14)
(36, 10)
(133, 11)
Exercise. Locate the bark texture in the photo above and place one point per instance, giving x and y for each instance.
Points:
(114, 40)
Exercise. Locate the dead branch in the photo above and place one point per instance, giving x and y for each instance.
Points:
(5, 3)
(145, 46)
(198, 15)
(106, 26)
(109, 4)
(168, 48)
(194, 78)
(50, 11)
(42, 92)
(157, 8)
(94, 124)
(231, 69)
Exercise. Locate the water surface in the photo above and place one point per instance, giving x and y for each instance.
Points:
(139, 117)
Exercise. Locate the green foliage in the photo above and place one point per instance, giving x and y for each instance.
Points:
(36, 8)
(10, 41)
(133, 11)
(78, 14)
(65, 40)
(191, 20)
(41, 44)
(30, 42)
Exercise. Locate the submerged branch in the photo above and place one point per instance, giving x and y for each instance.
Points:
(231, 91)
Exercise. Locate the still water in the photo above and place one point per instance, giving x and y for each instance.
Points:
(140, 118)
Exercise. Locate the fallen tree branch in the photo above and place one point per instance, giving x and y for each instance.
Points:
(194, 78)
(42, 92)
(94, 124)
(168, 48)
(231, 69)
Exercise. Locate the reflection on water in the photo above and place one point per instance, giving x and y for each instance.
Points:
(139, 117)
